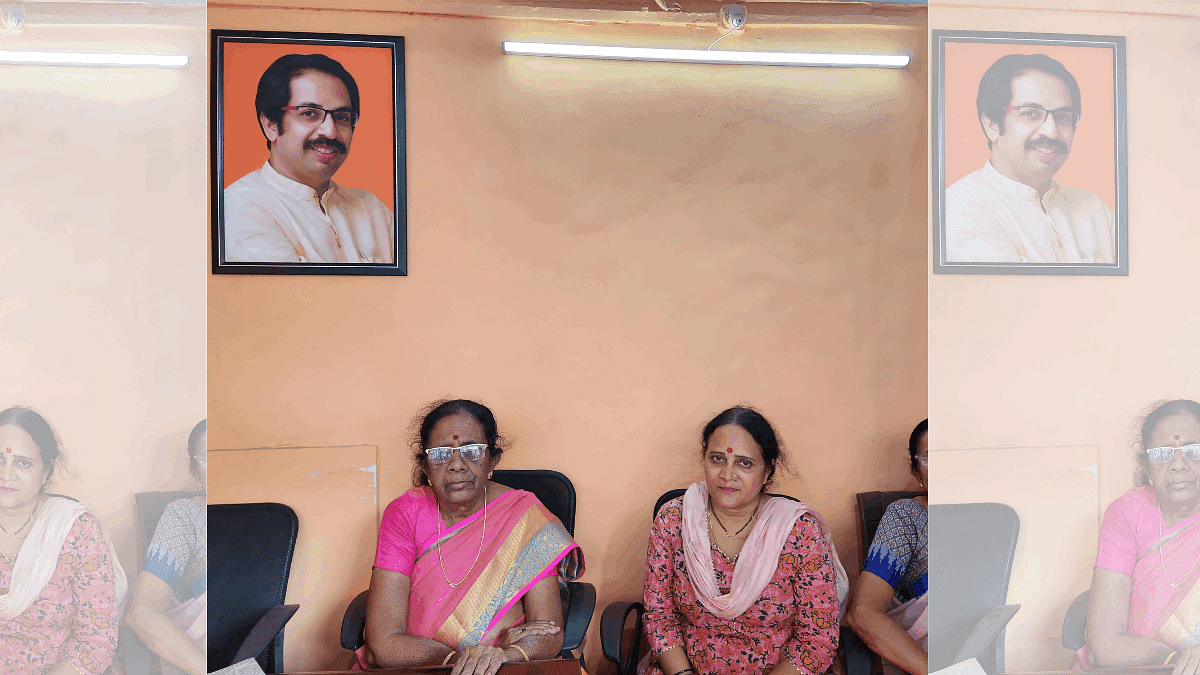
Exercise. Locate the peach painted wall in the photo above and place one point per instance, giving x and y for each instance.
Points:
(608, 254)
(1054, 362)
(102, 316)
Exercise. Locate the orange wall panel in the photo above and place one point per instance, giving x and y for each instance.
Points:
(608, 254)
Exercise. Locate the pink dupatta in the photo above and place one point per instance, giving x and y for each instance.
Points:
(757, 562)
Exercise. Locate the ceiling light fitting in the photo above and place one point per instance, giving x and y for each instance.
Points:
(32, 58)
(706, 56)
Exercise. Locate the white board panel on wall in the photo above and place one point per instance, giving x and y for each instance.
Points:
(1055, 492)
(333, 492)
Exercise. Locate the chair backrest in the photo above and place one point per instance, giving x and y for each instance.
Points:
(552, 489)
(250, 550)
(971, 548)
(1074, 632)
(871, 506)
(678, 492)
(150, 507)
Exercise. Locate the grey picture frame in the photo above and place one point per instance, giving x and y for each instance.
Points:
(1022, 43)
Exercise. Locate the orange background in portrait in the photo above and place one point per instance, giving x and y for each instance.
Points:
(370, 164)
(1092, 163)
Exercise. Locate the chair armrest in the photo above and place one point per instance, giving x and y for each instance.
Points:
(354, 622)
(985, 632)
(612, 630)
(581, 604)
(264, 631)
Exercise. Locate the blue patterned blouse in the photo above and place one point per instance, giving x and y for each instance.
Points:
(900, 553)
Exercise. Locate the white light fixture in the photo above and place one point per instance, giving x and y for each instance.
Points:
(92, 59)
(705, 56)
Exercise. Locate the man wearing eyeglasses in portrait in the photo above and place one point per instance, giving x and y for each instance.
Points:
(290, 210)
(1011, 210)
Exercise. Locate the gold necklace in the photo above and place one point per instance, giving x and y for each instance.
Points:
(1164, 564)
(482, 536)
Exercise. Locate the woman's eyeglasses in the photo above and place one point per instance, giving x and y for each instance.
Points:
(923, 460)
(1164, 455)
(470, 453)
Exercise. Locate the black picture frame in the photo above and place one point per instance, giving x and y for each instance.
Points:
(305, 42)
(1026, 43)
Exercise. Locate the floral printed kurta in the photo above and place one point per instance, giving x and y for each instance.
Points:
(795, 618)
(75, 617)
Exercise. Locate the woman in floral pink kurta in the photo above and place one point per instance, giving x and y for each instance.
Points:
(75, 617)
(795, 618)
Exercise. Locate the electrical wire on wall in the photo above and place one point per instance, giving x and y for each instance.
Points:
(12, 17)
(732, 15)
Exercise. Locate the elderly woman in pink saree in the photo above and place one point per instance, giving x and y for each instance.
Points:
(1144, 607)
(467, 571)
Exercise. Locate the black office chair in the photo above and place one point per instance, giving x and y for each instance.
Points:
(971, 548)
(616, 615)
(860, 660)
(250, 550)
(557, 494)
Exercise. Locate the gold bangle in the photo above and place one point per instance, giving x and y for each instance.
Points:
(518, 648)
(449, 656)
(1169, 657)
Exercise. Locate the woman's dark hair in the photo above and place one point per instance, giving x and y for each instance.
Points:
(423, 424)
(39, 430)
(275, 85)
(1150, 420)
(759, 429)
(199, 430)
(914, 441)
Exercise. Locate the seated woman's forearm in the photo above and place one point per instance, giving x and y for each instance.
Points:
(399, 650)
(673, 660)
(1122, 649)
(886, 638)
(538, 647)
(166, 638)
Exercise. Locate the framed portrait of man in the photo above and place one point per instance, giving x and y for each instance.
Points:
(308, 160)
(1029, 154)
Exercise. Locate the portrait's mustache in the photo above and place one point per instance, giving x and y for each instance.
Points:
(331, 142)
(1050, 142)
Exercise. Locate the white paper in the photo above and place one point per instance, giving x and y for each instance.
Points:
(968, 667)
(247, 667)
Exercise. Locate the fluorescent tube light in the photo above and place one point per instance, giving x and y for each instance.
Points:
(705, 56)
(93, 59)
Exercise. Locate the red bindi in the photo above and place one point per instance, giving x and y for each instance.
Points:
(456, 437)
(1176, 436)
(728, 449)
